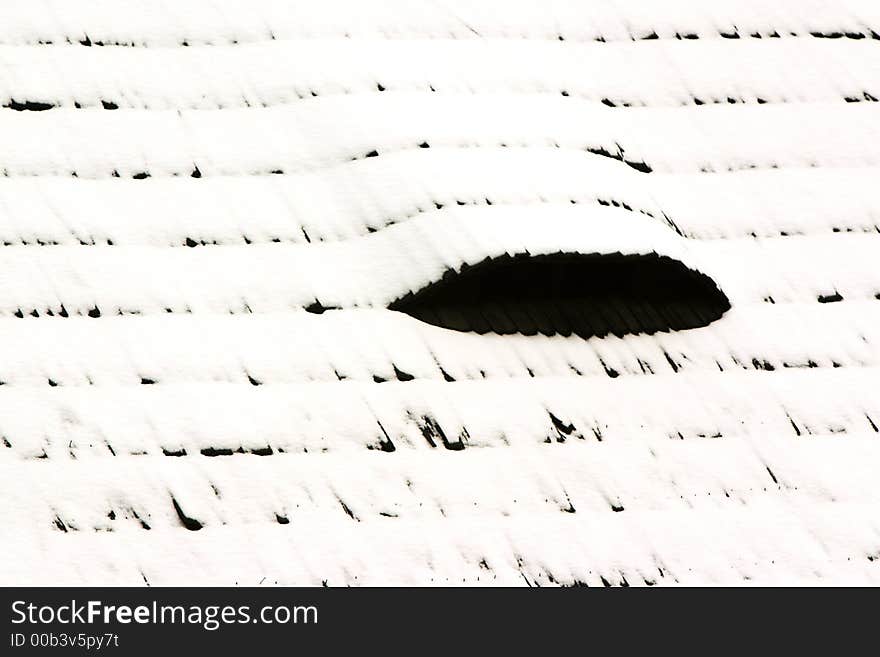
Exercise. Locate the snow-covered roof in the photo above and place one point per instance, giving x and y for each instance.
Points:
(208, 207)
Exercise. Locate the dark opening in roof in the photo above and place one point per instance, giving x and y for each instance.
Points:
(585, 295)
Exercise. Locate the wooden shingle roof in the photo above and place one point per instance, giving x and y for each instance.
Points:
(207, 208)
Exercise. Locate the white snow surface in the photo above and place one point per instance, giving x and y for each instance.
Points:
(200, 173)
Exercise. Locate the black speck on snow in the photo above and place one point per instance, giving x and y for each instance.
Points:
(190, 523)
(401, 375)
(28, 106)
(216, 451)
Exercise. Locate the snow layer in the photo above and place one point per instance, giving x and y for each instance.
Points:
(206, 208)
(657, 72)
